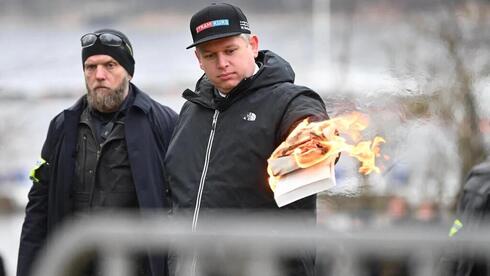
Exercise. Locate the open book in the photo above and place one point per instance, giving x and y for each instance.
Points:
(298, 183)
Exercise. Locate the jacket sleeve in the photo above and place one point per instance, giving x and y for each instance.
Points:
(164, 123)
(300, 107)
(34, 229)
(306, 104)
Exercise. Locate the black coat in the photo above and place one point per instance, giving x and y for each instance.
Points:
(148, 128)
(217, 158)
(473, 211)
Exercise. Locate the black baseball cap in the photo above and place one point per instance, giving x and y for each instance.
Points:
(218, 20)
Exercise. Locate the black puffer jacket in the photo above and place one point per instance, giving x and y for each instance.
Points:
(217, 158)
(219, 149)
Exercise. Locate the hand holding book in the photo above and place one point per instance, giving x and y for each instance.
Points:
(304, 163)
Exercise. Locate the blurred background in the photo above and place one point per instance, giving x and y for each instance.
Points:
(418, 68)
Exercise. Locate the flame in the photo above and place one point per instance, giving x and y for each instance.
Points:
(313, 142)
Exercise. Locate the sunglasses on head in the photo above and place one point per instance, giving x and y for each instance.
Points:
(106, 39)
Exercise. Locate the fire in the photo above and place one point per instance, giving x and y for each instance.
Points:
(313, 142)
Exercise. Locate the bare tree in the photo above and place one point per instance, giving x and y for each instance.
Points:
(455, 61)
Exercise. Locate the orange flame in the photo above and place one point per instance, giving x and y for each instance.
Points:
(311, 143)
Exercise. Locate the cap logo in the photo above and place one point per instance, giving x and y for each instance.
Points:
(211, 24)
(244, 25)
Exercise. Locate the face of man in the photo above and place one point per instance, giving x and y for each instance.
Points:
(107, 83)
(229, 60)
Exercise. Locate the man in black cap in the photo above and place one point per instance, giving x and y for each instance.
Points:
(244, 106)
(104, 153)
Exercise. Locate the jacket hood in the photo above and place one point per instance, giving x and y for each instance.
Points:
(482, 168)
(272, 70)
(478, 179)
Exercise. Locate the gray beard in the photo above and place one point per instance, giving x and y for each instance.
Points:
(107, 102)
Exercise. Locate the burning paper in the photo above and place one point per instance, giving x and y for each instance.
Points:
(294, 165)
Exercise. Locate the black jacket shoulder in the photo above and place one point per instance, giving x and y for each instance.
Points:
(162, 118)
(478, 180)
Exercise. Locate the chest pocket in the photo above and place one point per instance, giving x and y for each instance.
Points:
(114, 167)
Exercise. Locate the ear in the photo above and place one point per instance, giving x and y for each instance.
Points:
(198, 56)
(254, 42)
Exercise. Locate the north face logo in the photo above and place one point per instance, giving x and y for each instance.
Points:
(250, 117)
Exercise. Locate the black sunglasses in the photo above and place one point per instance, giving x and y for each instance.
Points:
(106, 39)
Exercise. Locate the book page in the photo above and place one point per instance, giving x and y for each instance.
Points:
(304, 182)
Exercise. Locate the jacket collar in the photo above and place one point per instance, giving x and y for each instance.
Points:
(272, 70)
(141, 99)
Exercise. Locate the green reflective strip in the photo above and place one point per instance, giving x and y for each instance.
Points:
(32, 173)
(455, 228)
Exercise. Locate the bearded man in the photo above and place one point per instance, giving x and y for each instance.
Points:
(104, 153)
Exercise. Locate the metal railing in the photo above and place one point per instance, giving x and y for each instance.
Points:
(251, 245)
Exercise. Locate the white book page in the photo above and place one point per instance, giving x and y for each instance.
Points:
(304, 182)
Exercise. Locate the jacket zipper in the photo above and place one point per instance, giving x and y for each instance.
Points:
(84, 158)
(100, 148)
(204, 170)
(94, 174)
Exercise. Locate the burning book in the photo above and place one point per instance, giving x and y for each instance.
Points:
(304, 163)
(295, 183)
